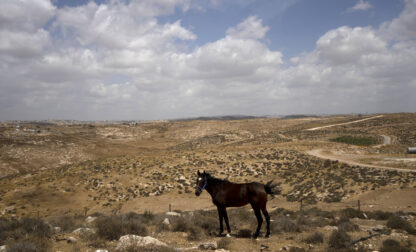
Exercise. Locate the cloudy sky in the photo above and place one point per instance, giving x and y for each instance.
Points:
(163, 59)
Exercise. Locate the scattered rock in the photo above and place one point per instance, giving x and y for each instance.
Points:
(101, 250)
(84, 231)
(331, 228)
(221, 250)
(138, 241)
(208, 245)
(9, 210)
(3, 248)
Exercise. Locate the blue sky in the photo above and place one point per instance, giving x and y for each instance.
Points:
(158, 59)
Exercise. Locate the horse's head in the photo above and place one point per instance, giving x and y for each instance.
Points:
(201, 182)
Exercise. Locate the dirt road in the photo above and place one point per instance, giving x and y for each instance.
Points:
(338, 124)
(318, 153)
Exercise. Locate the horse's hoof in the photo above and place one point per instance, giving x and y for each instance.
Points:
(228, 235)
(267, 236)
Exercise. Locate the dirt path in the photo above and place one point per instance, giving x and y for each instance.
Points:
(338, 124)
(318, 153)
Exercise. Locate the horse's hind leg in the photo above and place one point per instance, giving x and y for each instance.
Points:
(267, 216)
(259, 221)
(226, 220)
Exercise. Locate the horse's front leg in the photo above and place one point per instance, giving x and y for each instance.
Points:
(226, 221)
(220, 216)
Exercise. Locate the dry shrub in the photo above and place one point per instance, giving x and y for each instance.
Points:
(351, 213)
(314, 238)
(224, 243)
(396, 222)
(181, 224)
(284, 224)
(112, 227)
(244, 233)
(339, 239)
(391, 245)
(379, 215)
(346, 225)
(67, 223)
(296, 249)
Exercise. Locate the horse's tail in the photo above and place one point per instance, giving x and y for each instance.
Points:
(272, 189)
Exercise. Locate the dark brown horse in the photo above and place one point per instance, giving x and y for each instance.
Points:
(226, 194)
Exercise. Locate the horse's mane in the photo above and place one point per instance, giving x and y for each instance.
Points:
(215, 180)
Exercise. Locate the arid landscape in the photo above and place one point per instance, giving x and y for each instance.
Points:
(342, 178)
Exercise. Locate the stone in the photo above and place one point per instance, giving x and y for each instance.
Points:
(208, 245)
(378, 228)
(166, 222)
(57, 229)
(71, 240)
(173, 214)
(101, 250)
(90, 219)
(331, 228)
(9, 210)
(3, 248)
(221, 250)
(83, 231)
(138, 241)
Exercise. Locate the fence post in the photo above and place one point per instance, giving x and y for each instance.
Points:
(301, 204)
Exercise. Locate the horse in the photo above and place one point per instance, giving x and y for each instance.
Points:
(227, 194)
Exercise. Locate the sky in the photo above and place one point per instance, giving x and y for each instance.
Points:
(167, 59)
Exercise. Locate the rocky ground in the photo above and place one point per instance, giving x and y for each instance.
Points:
(55, 170)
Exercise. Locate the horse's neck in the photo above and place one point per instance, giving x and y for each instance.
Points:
(214, 187)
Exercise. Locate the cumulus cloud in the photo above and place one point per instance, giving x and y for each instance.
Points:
(118, 61)
(361, 5)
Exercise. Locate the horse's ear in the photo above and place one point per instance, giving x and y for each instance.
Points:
(205, 172)
(199, 173)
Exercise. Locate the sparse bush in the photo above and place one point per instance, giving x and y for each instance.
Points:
(396, 222)
(314, 238)
(66, 223)
(346, 225)
(339, 239)
(224, 243)
(25, 246)
(284, 224)
(112, 227)
(355, 140)
(379, 215)
(195, 233)
(244, 233)
(296, 249)
(181, 225)
(36, 227)
(351, 213)
(208, 223)
(391, 245)
(148, 216)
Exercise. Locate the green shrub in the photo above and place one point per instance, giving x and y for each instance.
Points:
(351, 213)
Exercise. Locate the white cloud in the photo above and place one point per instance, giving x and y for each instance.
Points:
(65, 70)
(250, 28)
(361, 5)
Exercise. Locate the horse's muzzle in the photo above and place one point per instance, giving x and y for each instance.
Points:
(197, 192)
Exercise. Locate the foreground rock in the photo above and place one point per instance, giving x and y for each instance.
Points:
(135, 241)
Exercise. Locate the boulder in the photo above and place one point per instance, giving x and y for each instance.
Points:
(3, 248)
(166, 222)
(127, 241)
(90, 219)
